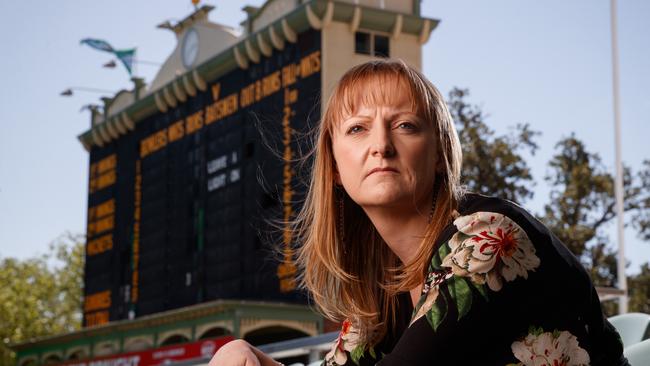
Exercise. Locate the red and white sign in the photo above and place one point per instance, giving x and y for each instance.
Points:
(159, 356)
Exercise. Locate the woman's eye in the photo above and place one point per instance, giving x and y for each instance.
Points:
(406, 126)
(354, 129)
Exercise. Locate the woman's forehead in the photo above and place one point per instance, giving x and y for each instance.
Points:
(377, 91)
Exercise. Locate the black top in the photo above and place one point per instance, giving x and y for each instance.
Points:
(501, 289)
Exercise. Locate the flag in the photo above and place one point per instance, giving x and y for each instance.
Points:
(98, 44)
(127, 57)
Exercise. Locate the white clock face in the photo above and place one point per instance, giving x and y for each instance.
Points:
(190, 48)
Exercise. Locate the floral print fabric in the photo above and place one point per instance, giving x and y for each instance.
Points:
(488, 248)
(485, 252)
(347, 344)
(557, 348)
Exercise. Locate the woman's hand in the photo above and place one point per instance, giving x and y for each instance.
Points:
(241, 353)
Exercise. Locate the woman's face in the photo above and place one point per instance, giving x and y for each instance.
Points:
(386, 156)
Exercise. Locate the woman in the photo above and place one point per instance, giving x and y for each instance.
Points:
(419, 272)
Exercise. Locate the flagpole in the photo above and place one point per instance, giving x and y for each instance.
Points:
(618, 184)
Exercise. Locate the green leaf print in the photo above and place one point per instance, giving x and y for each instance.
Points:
(482, 289)
(443, 251)
(356, 354)
(438, 311)
(461, 294)
(536, 331)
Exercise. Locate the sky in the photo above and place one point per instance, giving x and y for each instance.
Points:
(546, 63)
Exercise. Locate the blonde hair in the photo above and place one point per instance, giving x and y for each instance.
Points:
(358, 277)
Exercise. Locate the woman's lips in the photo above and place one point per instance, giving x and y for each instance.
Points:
(380, 170)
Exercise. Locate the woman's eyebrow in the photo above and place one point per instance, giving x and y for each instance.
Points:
(357, 116)
(390, 116)
(404, 113)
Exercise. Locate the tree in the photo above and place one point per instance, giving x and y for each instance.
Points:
(492, 165)
(582, 195)
(641, 218)
(41, 296)
(582, 202)
(639, 293)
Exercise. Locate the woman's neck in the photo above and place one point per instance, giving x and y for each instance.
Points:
(402, 232)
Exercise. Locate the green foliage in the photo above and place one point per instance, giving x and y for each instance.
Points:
(581, 203)
(492, 165)
(639, 292)
(438, 311)
(356, 354)
(582, 198)
(41, 296)
(641, 218)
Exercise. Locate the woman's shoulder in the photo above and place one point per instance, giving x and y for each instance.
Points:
(497, 246)
(501, 268)
(478, 212)
(496, 214)
(471, 203)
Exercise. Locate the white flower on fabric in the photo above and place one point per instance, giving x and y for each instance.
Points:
(553, 349)
(490, 247)
(347, 340)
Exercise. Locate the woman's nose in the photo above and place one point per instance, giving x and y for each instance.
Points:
(382, 145)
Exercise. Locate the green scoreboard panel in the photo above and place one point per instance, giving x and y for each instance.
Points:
(181, 210)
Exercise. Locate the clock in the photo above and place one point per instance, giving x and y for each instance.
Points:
(190, 48)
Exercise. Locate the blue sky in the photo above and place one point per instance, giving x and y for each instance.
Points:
(545, 63)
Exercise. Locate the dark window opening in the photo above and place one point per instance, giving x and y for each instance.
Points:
(214, 333)
(175, 339)
(371, 44)
(381, 46)
(362, 43)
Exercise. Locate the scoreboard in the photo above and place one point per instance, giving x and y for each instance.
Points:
(181, 209)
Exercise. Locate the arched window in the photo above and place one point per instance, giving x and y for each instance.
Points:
(214, 333)
(138, 344)
(174, 339)
(52, 359)
(105, 349)
(77, 355)
(31, 361)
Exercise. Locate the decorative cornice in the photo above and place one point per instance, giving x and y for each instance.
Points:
(189, 87)
(288, 32)
(168, 97)
(198, 81)
(162, 107)
(356, 19)
(112, 132)
(312, 18)
(263, 46)
(242, 61)
(397, 28)
(276, 40)
(178, 91)
(251, 52)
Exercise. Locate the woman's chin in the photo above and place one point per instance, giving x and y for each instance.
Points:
(388, 200)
